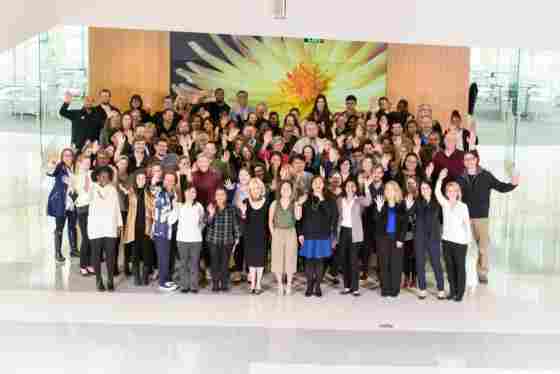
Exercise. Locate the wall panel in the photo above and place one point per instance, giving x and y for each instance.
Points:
(129, 62)
(429, 74)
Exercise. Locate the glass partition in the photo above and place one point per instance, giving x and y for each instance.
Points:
(33, 77)
(518, 111)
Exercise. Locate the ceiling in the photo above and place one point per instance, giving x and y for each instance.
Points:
(488, 23)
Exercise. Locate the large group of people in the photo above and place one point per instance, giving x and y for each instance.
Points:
(204, 193)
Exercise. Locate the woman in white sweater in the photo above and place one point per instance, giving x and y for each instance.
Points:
(192, 219)
(456, 235)
(105, 224)
(81, 184)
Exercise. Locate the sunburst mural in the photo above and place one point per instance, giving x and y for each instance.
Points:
(283, 72)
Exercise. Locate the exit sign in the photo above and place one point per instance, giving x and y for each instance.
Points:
(313, 40)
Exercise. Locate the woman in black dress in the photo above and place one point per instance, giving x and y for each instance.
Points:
(254, 213)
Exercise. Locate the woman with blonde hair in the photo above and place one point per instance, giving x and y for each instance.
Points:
(456, 235)
(254, 213)
(282, 217)
(391, 213)
(81, 184)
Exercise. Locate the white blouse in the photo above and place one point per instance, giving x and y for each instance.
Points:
(347, 212)
(456, 220)
(104, 212)
(79, 182)
(191, 223)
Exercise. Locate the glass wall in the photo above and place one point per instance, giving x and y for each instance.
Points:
(518, 112)
(33, 77)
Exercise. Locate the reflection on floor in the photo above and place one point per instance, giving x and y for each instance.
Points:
(108, 349)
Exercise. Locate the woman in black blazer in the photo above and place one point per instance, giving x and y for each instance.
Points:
(391, 214)
(427, 238)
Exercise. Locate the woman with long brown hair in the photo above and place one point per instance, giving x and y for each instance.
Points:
(139, 225)
(321, 115)
(316, 232)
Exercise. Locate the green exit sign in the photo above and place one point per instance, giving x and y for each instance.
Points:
(313, 40)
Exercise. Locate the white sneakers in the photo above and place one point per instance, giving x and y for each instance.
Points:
(422, 294)
(168, 286)
(441, 295)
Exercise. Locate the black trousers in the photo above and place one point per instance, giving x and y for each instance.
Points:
(127, 247)
(72, 217)
(314, 271)
(108, 247)
(142, 250)
(391, 266)
(365, 251)
(455, 256)
(348, 257)
(239, 257)
(219, 265)
(409, 260)
(173, 251)
(85, 246)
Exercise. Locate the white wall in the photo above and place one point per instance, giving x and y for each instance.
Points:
(488, 23)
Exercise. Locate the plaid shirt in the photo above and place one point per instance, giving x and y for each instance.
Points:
(223, 228)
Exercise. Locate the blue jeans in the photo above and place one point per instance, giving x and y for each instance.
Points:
(163, 248)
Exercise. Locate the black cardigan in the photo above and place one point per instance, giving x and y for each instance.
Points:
(320, 223)
(380, 219)
(428, 221)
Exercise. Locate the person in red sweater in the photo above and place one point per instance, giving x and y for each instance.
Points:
(449, 158)
(206, 180)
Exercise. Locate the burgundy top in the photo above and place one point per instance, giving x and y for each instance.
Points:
(206, 185)
(454, 164)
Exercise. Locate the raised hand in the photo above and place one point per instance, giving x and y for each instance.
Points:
(385, 159)
(409, 201)
(226, 156)
(211, 210)
(51, 164)
(229, 185)
(242, 208)
(301, 239)
(379, 201)
(443, 174)
(67, 97)
(302, 199)
(515, 178)
(267, 138)
(429, 170)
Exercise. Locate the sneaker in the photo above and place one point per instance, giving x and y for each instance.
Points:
(208, 274)
(363, 276)
(356, 294)
(422, 294)
(168, 287)
(441, 295)
(375, 284)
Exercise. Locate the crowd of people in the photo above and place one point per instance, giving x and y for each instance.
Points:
(202, 192)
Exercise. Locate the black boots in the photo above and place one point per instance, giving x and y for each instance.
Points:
(127, 258)
(215, 287)
(318, 292)
(137, 277)
(100, 285)
(146, 275)
(309, 290)
(58, 246)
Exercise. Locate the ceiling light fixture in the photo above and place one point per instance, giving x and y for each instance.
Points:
(280, 9)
